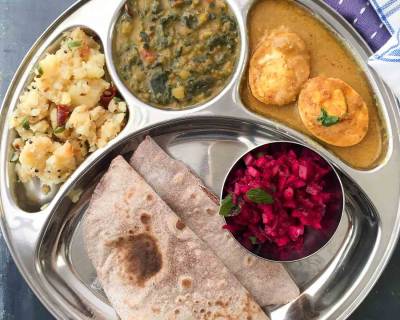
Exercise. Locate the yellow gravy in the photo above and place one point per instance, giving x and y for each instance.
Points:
(330, 58)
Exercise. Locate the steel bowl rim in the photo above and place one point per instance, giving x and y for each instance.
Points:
(336, 174)
(191, 108)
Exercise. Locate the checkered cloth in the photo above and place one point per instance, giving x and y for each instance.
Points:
(378, 21)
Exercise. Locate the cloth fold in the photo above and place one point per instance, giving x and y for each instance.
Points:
(378, 21)
(386, 61)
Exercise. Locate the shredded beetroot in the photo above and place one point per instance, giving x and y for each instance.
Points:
(304, 192)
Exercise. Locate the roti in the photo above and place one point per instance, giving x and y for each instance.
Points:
(268, 282)
(150, 265)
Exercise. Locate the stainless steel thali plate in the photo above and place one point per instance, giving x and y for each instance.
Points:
(47, 244)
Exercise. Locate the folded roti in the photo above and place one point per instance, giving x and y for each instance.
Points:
(152, 266)
(268, 282)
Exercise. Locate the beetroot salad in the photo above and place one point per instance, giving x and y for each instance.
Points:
(282, 201)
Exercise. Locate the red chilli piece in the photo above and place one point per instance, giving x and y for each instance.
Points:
(63, 112)
(148, 56)
(107, 96)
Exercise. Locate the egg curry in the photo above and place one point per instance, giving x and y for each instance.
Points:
(301, 74)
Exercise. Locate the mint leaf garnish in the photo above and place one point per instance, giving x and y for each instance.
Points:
(259, 196)
(253, 240)
(227, 207)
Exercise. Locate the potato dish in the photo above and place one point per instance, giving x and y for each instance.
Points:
(67, 111)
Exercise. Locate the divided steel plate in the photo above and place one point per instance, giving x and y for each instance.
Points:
(47, 244)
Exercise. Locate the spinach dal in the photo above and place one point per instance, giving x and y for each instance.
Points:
(176, 53)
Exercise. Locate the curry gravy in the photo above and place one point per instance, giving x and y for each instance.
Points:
(330, 58)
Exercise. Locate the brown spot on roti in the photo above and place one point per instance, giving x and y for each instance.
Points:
(180, 225)
(141, 257)
(156, 310)
(145, 218)
(210, 211)
(149, 197)
(186, 283)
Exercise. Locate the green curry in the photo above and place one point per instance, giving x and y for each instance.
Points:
(176, 53)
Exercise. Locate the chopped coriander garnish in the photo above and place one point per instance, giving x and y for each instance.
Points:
(74, 44)
(327, 120)
(227, 206)
(40, 70)
(59, 130)
(25, 123)
(259, 196)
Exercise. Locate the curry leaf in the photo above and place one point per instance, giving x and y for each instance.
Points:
(59, 130)
(25, 123)
(74, 44)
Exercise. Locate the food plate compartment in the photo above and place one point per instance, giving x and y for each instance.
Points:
(57, 267)
(324, 278)
(29, 196)
(360, 51)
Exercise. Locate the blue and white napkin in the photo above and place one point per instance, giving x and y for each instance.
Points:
(386, 61)
(378, 21)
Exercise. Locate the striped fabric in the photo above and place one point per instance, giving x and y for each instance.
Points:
(386, 61)
(362, 15)
(378, 21)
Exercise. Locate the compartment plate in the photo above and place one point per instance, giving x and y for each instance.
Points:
(209, 145)
(47, 245)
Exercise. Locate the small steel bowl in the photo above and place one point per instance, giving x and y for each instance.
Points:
(313, 240)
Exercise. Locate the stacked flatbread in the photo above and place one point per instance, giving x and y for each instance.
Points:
(268, 282)
(156, 241)
(151, 266)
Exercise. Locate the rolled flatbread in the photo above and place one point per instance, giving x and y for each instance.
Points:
(268, 282)
(152, 266)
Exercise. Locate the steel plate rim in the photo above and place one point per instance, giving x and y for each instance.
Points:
(393, 238)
